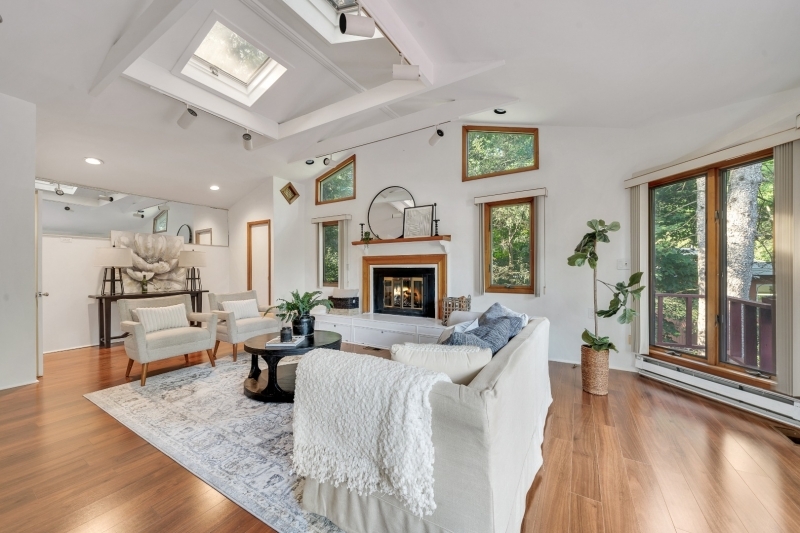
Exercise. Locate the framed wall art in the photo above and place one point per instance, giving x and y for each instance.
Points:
(418, 221)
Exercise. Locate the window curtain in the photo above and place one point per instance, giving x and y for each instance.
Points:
(640, 237)
(784, 282)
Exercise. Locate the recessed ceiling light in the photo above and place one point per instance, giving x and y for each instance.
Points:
(93, 161)
(214, 187)
(499, 111)
(309, 161)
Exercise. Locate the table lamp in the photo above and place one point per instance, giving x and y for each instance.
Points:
(113, 260)
(191, 260)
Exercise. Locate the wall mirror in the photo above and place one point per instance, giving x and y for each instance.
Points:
(87, 212)
(385, 216)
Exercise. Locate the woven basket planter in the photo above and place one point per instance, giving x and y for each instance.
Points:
(594, 371)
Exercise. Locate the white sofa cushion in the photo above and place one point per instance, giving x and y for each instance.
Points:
(175, 336)
(462, 327)
(158, 318)
(460, 363)
(242, 308)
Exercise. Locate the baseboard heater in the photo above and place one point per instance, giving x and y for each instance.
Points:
(772, 405)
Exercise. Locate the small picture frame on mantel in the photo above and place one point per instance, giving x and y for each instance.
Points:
(418, 221)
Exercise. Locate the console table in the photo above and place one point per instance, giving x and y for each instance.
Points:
(104, 309)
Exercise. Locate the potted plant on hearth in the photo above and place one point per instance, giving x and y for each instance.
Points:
(594, 353)
(297, 310)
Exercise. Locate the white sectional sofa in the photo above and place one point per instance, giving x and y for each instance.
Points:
(487, 438)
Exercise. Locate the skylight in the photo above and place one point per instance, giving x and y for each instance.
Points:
(226, 52)
(343, 6)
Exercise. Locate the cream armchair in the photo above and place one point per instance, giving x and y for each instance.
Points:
(144, 348)
(236, 331)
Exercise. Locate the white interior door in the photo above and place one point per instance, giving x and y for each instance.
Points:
(259, 268)
(39, 289)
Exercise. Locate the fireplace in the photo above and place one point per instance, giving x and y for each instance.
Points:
(409, 291)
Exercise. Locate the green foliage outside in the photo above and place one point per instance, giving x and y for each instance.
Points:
(511, 245)
(489, 152)
(338, 185)
(330, 255)
(228, 51)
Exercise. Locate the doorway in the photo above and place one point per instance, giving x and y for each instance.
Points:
(259, 260)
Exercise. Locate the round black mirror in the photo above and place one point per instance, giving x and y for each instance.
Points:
(385, 216)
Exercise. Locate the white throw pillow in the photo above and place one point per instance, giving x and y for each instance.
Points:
(242, 308)
(462, 327)
(158, 318)
(460, 363)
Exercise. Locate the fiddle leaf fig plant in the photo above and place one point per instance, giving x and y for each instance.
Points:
(299, 305)
(623, 292)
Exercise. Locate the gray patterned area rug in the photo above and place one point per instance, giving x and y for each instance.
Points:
(200, 418)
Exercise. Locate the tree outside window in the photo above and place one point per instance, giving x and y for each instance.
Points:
(330, 254)
(508, 246)
(338, 184)
(494, 151)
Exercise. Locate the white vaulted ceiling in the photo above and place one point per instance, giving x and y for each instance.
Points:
(579, 63)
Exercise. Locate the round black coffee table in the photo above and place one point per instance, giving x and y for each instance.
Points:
(257, 347)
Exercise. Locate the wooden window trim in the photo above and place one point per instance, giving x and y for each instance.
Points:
(322, 259)
(497, 129)
(334, 170)
(250, 225)
(487, 248)
(711, 364)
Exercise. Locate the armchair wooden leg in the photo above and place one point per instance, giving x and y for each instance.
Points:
(186, 358)
(216, 347)
(144, 373)
(211, 357)
(128, 371)
(235, 351)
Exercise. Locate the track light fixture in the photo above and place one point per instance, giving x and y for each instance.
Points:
(328, 160)
(187, 117)
(163, 207)
(356, 24)
(138, 214)
(59, 191)
(405, 72)
(247, 139)
(436, 137)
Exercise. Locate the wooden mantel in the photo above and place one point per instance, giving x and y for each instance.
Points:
(409, 239)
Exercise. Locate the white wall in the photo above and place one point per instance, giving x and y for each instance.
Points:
(256, 205)
(290, 225)
(17, 267)
(70, 276)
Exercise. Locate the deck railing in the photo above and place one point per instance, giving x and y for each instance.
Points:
(750, 330)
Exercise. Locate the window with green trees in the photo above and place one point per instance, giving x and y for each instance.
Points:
(508, 246)
(494, 151)
(330, 254)
(712, 276)
(338, 184)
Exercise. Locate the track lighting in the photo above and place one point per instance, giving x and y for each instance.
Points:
(187, 118)
(59, 191)
(436, 137)
(356, 24)
(405, 72)
(247, 139)
(138, 215)
(327, 161)
(163, 207)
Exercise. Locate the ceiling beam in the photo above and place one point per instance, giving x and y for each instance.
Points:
(159, 17)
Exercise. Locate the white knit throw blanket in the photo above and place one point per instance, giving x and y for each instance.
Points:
(366, 422)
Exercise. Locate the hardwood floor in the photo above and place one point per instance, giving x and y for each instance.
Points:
(647, 458)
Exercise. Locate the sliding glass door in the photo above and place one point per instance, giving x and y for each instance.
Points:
(712, 281)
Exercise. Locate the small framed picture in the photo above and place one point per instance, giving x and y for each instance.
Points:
(418, 221)
(160, 222)
(289, 193)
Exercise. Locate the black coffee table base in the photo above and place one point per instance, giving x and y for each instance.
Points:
(270, 391)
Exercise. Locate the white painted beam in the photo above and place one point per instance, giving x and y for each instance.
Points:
(162, 80)
(159, 17)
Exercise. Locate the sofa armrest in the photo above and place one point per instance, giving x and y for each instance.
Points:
(132, 328)
(138, 352)
(264, 308)
(202, 317)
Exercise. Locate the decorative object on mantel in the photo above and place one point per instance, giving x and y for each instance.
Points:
(362, 230)
(297, 310)
(418, 221)
(192, 260)
(594, 354)
(345, 302)
(443, 240)
(455, 303)
(385, 215)
(289, 193)
(436, 226)
(186, 234)
(113, 260)
(155, 254)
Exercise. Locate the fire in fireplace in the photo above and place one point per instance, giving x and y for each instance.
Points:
(404, 291)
